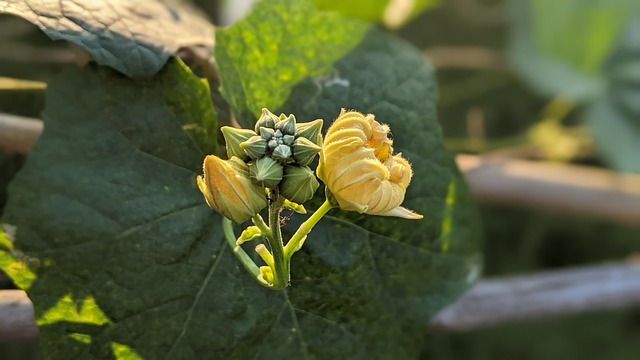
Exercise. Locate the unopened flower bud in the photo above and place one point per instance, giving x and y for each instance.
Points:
(359, 169)
(282, 153)
(266, 172)
(288, 139)
(287, 126)
(266, 120)
(228, 189)
(233, 137)
(266, 133)
(304, 151)
(311, 130)
(298, 184)
(255, 147)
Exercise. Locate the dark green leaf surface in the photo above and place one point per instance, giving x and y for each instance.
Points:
(276, 46)
(418, 266)
(135, 38)
(120, 254)
(387, 77)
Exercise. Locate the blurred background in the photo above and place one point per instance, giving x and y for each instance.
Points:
(551, 82)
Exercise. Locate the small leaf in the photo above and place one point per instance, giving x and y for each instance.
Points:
(135, 38)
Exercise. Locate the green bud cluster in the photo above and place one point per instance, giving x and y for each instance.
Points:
(279, 152)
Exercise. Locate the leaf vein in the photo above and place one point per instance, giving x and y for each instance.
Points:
(187, 321)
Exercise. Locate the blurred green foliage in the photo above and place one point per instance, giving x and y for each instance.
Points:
(518, 240)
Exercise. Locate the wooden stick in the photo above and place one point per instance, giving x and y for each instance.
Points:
(16, 316)
(17, 133)
(557, 188)
(490, 302)
(465, 57)
(555, 293)
(25, 53)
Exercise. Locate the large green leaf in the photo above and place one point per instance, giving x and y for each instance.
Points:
(123, 259)
(389, 78)
(560, 46)
(135, 38)
(276, 46)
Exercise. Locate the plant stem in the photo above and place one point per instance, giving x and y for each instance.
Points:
(281, 271)
(304, 229)
(247, 262)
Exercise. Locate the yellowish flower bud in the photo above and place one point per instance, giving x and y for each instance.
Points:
(233, 137)
(228, 189)
(359, 169)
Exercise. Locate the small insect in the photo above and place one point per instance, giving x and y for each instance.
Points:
(285, 218)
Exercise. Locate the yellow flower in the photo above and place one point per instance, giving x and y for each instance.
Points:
(358, 167)
(228, 189)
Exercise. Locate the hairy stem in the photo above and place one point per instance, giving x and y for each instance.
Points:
(281, 271)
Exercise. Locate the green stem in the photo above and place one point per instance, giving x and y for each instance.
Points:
(252, 268)
(281, 271)
(304, 229)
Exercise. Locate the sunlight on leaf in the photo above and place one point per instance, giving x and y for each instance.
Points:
(68, 309)
(392, 13)
(447, 218)
(14, 265)
(83, 338)
(276, 46)
(124, 352)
